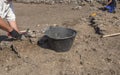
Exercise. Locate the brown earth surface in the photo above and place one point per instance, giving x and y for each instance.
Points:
(89, 55)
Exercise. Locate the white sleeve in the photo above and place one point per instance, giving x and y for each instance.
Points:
(11, 15)
(0, 8)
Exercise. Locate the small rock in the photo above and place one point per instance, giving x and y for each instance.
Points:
(77, 8)
(62, 60)
(6, 69)
(10, 59)
(33, 40)
(82, 4)
(81, 63)
(93, 8)
(5, 44)
(43, 30)
(38, 25)
(50, 2)
(108, 60)
(84, 19)
(55, 25)
(7, 60)
(23, 37)
(115, 17)
(94, 49)
(31, 33)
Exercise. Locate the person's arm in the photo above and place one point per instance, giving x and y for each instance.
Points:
(13, 24)
(4, 26)
(11, 18)
(109, 2)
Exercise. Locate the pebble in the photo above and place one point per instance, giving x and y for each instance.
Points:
(6, 69)
(77, 8)
(33, 40)
(38, 25)
(55, 24)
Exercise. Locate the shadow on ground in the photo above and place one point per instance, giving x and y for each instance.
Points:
(5, 38)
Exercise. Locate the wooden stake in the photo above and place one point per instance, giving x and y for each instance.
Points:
(110, 35)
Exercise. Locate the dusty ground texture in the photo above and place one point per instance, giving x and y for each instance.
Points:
(89, 55)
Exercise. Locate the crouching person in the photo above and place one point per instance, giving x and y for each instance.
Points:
(7, 12)
(111, 6)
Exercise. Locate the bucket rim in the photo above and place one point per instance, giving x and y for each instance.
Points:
(74, 34)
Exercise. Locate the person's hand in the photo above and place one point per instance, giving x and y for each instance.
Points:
(15, 34)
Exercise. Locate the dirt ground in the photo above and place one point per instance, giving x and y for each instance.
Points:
(89, 55)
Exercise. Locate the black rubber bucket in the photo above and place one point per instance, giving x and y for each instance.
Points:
(60, 39)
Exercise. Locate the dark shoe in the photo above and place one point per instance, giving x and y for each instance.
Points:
(114, 12)
(103, 9)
